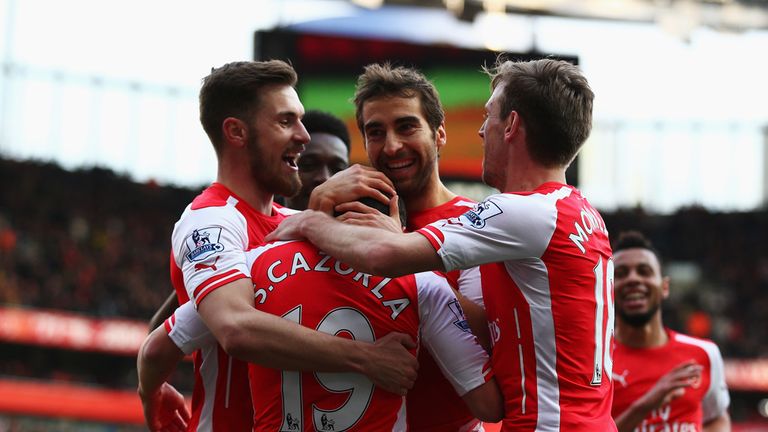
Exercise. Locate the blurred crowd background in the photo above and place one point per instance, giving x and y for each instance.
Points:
(98, 119)
(95, 243)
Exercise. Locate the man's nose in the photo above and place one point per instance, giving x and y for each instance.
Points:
(392, 145)
(301, 134)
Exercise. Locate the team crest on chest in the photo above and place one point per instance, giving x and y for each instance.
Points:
(203, 242)
(481, 213)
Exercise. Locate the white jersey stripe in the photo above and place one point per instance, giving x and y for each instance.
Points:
(208, 375)
(530, 281)
(435, 237)
(522, 377)
(400, 424)
(229, 380)
(218, 283)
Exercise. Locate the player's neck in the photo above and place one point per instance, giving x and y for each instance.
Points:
(650, 335)
(530, 177)
(246, 188)
(435, 194)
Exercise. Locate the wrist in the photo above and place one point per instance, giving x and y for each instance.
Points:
(315, 218)
(360, 357)
(145, 394)
(142, 393)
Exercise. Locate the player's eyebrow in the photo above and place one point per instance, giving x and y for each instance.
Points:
(372, 124)
(288, 114)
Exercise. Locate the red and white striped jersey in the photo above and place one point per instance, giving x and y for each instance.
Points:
(636, 371)
(296, 281)
(433, 406)
(208, 251)
(547, 281)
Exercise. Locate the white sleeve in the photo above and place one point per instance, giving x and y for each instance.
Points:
(470, 285)
(717, 399)
(209, 247)
(187, 330)
(503, 227)
(445, 333)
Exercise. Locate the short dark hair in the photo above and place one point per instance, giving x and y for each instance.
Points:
(385, 80)
(633, 239)
(555, 102)
(233, 91)
(316, 121)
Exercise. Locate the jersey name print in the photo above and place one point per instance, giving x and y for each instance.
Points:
(549, 303)
(296, 281)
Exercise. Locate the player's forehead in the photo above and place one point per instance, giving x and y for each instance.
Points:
(494, 101)
(326, 144)
(391, 109)
(635, 257)
(280, 100)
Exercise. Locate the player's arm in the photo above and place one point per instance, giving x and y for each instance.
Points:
(371, 250)
(670, 386)
(165, 310)
(249, 334)
(462, 361)
(478, 321)
(164, 407)
(720, 424)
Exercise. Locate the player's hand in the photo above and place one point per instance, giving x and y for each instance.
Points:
(357, 213)
(291, 227)
(673, 384)
(391, 366)
(165, 410)
(351, 184)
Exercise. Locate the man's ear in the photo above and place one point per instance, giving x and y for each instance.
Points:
(441, 137)
(665, 287)
(512, 123)
(235, 132)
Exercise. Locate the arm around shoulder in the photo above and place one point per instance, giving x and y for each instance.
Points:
(255, 336)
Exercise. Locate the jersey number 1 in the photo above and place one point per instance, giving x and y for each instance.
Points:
(603, 334)
(360, 389)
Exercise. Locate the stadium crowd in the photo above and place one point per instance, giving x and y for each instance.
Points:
(88, 241)
(74, 247)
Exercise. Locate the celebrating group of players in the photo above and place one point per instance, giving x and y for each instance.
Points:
(313, 320)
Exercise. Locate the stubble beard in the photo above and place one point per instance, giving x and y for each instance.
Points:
(417, 185)
(639, 319)
(272, 180)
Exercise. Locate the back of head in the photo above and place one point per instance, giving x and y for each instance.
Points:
(555, 102)
(322, 122)
(233, 91)
(385, 80)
